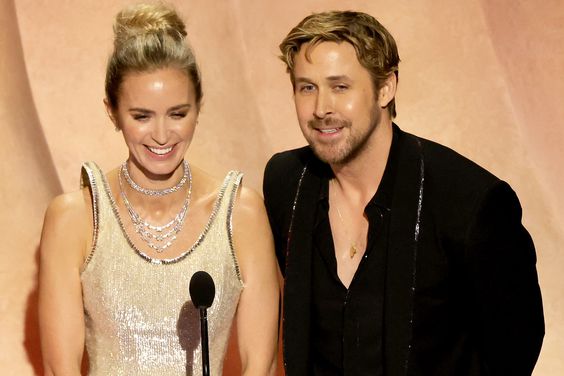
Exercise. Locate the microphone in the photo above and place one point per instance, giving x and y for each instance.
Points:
(202, 293)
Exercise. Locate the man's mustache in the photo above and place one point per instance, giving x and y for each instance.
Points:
(328, 122)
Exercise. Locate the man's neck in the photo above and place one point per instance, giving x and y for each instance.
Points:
(359, 178)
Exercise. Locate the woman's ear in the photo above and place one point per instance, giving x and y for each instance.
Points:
(387, 91)
(111, 114)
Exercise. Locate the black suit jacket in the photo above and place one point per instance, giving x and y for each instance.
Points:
(461, 294)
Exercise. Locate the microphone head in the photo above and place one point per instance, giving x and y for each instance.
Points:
(202, 290)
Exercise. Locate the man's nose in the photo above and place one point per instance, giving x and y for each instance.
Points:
(323, 104)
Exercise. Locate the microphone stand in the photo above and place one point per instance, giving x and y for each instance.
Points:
(204, 341)
(202, 292)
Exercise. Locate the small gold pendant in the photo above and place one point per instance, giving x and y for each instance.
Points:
(352, 250)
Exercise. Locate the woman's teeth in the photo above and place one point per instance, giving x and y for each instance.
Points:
(160, 151)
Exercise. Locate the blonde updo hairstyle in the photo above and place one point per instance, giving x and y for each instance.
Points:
(148, 37)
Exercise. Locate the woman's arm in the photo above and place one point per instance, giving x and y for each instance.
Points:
(257, 313)
(62, 249)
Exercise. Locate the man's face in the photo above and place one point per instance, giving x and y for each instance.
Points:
(335, 102)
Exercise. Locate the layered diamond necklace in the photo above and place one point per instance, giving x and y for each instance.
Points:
(156, 237)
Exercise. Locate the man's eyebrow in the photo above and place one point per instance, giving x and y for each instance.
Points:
(302, 79)
(341, 77)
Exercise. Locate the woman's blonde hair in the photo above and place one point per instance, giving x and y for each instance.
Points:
(148, 37)
(375, 47)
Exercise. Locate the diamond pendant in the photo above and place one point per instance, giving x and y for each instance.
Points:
(352, 250)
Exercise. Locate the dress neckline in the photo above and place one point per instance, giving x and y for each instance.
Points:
(183, 254)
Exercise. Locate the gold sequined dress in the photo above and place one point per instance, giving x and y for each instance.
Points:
(138, 313)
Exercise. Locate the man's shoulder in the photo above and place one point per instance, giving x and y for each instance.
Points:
(286, 166)
(294, 158)
(445, 163)
(453, 183)
(284, 172)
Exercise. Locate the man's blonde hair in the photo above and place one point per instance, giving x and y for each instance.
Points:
(375, 47)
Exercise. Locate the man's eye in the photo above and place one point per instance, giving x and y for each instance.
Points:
(307, 88)
(341, 87)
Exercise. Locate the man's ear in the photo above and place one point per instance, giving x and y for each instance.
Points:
(111, 114)
(387, 91)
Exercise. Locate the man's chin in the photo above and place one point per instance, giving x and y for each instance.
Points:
(329, 155)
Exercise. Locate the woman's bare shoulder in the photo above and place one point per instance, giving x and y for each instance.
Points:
(205, 185)
(249, 201)
(249, 214)
(69, 205)
(67, 222)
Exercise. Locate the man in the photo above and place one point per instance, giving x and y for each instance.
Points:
(400, 256)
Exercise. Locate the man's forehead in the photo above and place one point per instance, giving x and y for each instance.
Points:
(332, 60)
(325, 47)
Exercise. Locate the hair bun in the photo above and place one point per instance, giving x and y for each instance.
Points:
(149, 37)
(139, 21)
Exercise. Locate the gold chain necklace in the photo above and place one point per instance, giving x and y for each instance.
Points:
(353, 249)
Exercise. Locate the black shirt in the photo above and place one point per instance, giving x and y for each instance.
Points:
(347, 324)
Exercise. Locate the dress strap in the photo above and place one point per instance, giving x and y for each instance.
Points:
(91, 177)
(234, 178)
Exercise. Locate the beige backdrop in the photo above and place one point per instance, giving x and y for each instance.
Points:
(483, 77)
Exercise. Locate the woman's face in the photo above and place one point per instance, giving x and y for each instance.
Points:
(157, 113)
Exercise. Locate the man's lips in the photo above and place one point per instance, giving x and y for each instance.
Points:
(328, 126)
(329, 130)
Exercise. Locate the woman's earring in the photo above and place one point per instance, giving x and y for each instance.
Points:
(117, 129)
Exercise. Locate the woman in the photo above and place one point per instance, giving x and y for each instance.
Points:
(117, 256)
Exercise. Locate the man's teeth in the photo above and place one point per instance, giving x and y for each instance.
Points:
(332, 130)
(160, 151)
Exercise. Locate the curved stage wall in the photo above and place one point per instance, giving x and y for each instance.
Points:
(482, 77)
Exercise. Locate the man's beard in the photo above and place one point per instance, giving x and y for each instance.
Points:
(347, 150)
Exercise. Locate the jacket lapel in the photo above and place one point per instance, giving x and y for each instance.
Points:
(297, 288)
(401, 273)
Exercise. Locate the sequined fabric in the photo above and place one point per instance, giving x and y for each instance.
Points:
(138, 314)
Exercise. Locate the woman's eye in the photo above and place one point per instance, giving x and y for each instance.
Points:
(140, 117)
(178, 115)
